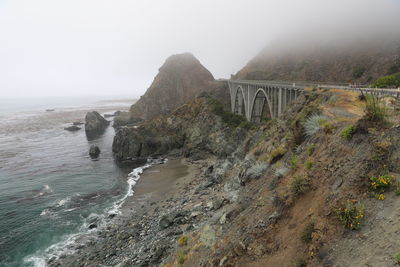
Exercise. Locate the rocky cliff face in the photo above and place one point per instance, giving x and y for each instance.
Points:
(180, 79)
(191, 130)
(359, 60)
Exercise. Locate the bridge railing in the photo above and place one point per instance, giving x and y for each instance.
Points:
(324, 85)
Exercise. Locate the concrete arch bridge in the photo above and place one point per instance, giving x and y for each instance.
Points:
(261, 99)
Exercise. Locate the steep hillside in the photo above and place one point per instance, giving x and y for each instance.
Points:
(180, 79)
(359, 60)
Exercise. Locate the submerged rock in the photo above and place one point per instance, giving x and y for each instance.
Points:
(76, 123)
(72, 128)
(94, 151)
(95, 123)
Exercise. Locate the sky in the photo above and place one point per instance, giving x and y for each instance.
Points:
(115, 47)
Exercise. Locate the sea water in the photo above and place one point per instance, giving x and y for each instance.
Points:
(51, 191)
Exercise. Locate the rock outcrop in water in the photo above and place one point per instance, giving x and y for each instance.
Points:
(95, 123)
(94, 151)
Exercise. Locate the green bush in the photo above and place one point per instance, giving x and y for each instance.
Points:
(277, 154)
(294, 161)
(306, 234)
(351, 215)
(233, 120)
(308, 164)
(389, 81)
(310, 149)
(375, 109)
(298, 186)
(183, 240)
(347, 133)
(314, 123)
(397, 258)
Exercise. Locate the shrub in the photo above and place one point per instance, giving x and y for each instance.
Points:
(306, 234)
(381, 183)
(280, 172)
(310, 149)
(294, 162)
(332, 100)
(298, 186)
(256, 170)
(375, 109)
(381, 149)
(182, 257)
(308, 164)
(397, 258)
(277, 154)
(388, 81)
(351, 215)
(300, 262)
(328, 127)
(313, 124)
(347, 133)
(182, 241)
(233, 120)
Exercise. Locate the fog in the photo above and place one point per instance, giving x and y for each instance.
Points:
(115, 47)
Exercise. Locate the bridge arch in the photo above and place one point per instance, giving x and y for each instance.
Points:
(240, 101)
(260, 100)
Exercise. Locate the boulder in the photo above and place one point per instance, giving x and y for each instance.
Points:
(94, 151)
(95, 123)
(76, 123)
(72, 128)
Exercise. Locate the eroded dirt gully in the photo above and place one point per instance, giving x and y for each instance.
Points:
(263, 218)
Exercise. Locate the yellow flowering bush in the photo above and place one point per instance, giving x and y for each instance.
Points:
(351, 215)
(380, 196)
(381, 183)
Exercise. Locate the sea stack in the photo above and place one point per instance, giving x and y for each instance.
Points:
(94, 123)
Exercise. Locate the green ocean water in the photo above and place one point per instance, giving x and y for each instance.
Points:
(50, 189)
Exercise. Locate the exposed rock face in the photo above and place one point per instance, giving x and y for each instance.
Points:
(94, 151)
(180, 79)
(304, 59)
(95, 123)
(191, 130)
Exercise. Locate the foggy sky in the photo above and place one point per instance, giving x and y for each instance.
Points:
(84, 47)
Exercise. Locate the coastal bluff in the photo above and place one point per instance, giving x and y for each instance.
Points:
(180, 79)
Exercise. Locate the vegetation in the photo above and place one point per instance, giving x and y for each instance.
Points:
(397, 258)
(375, 109)
(381, 149)
(390, 81)
(294, 161)
(314, 123)
(328, 127)
(298, 186)
(233, 120)
(277, 154)
(310, 149)
(308, 164)
(182, 257)
(182, 241)
(306, 234)
(347, 133)
(351, 215)
(282, 171)
(381, 183)
(300, 262)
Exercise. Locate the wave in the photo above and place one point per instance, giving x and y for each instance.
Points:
(70, 242)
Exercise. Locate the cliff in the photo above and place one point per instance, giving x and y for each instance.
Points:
(350, 59)
(193, 129)
(180, 79)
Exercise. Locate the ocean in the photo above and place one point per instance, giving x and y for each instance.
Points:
(51, 191)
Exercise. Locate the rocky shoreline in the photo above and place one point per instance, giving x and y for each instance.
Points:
(151, 220)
